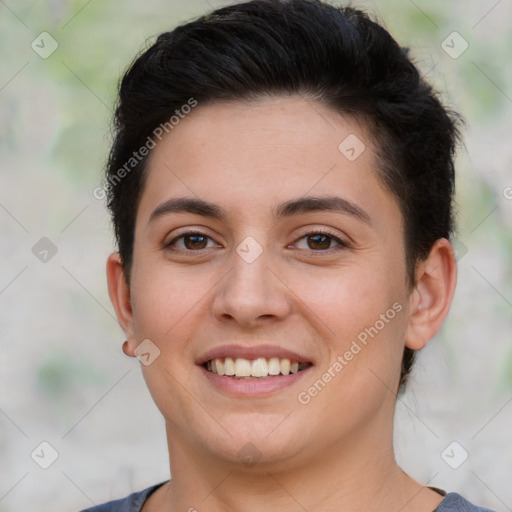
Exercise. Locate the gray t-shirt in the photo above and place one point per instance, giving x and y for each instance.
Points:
(452, 502)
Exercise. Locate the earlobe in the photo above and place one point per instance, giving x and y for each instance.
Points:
(432, 296)
(119, 294)
(129, 348)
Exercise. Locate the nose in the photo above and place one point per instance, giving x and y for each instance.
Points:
(251, 294)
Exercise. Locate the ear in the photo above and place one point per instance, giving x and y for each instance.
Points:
(120, 297)
(431, 298)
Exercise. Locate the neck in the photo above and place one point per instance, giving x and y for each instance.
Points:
(357, 476)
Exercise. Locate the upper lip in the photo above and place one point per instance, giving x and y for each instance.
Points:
(252, 352)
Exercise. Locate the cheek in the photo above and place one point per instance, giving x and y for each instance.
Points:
(361, 314)
(165, 311)
(363, 367)
(162, 300)
(351, 298)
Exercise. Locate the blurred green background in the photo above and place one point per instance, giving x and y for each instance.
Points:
(63, 377)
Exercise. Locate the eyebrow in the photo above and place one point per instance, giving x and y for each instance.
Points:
(287, 209)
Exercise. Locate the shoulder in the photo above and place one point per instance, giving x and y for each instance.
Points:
(454, 502)
(132, 503)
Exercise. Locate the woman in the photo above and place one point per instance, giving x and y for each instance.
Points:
(281, 187)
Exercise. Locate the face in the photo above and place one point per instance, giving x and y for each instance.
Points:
(264, 271)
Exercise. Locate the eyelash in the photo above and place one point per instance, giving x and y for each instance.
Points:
(341, 244)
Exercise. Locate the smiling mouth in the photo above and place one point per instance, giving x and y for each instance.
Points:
(262, 367)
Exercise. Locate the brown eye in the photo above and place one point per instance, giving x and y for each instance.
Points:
(194, 241)
(191, 242)
(320, 241)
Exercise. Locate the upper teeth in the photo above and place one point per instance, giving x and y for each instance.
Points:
(260, 367)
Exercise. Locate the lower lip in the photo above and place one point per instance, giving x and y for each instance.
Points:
(253, 387)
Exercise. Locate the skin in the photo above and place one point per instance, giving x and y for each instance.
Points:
(335, 452)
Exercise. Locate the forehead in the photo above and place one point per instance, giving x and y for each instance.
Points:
(250, 156)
